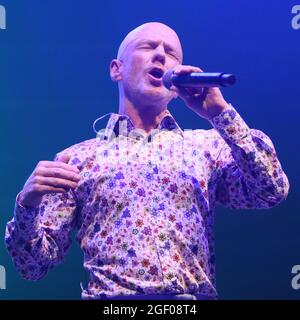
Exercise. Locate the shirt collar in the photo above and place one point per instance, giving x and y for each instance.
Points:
(123, 123)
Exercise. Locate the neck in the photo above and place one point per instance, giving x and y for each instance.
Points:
(144, 116)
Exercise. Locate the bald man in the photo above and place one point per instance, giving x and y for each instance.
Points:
(142, 194)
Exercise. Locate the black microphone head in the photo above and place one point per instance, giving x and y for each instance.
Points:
(228, 79)
(167, 79)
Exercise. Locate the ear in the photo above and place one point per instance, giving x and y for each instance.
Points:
(115, 73)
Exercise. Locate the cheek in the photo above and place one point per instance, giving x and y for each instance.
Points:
(172, 64)
(138, 65)
(130, 73)
(135, 66)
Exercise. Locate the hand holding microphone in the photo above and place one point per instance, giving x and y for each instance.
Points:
(199, 90)
(198, 79)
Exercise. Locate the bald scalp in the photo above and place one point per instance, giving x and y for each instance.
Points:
(134, 34)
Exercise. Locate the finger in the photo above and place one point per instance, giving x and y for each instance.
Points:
(186, 90)
(58, 164)
(195, 91)
(182, 69)
(64, 158)
(58, 173)
(183, 92)
(48, 189)
(174, 89)
(56, 182)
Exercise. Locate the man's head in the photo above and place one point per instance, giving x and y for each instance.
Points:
(144, 55)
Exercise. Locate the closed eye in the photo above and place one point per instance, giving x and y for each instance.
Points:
(152, 45)
(146, 47)
(173, 54)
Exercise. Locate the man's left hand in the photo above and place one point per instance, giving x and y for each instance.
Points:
(206, 102)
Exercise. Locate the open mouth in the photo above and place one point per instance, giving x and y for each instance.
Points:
(157, 73)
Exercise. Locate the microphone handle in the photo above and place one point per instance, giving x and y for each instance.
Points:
(203, 79)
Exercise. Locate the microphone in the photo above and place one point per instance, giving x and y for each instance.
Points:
(198, 79)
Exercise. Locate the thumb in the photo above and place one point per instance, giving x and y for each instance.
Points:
(63, 158)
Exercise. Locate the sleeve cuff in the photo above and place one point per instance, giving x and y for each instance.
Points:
(230, 125)
(25, 217)
(19, 203)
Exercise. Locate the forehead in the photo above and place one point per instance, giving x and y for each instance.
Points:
(155, 33)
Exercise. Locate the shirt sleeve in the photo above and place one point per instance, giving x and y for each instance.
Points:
(249, 174)
(38, 238)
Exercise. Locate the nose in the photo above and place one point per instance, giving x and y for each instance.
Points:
(159, 54)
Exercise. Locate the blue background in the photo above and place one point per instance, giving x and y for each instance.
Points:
(54, 81)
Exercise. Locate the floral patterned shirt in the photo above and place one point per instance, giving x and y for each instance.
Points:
(144, 207)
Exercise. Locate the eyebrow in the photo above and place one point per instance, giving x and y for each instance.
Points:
(156, 42)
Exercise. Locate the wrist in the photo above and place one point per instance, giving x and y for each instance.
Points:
(217, 109)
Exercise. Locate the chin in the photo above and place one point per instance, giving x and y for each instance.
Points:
(156, 93)
(154, 99)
